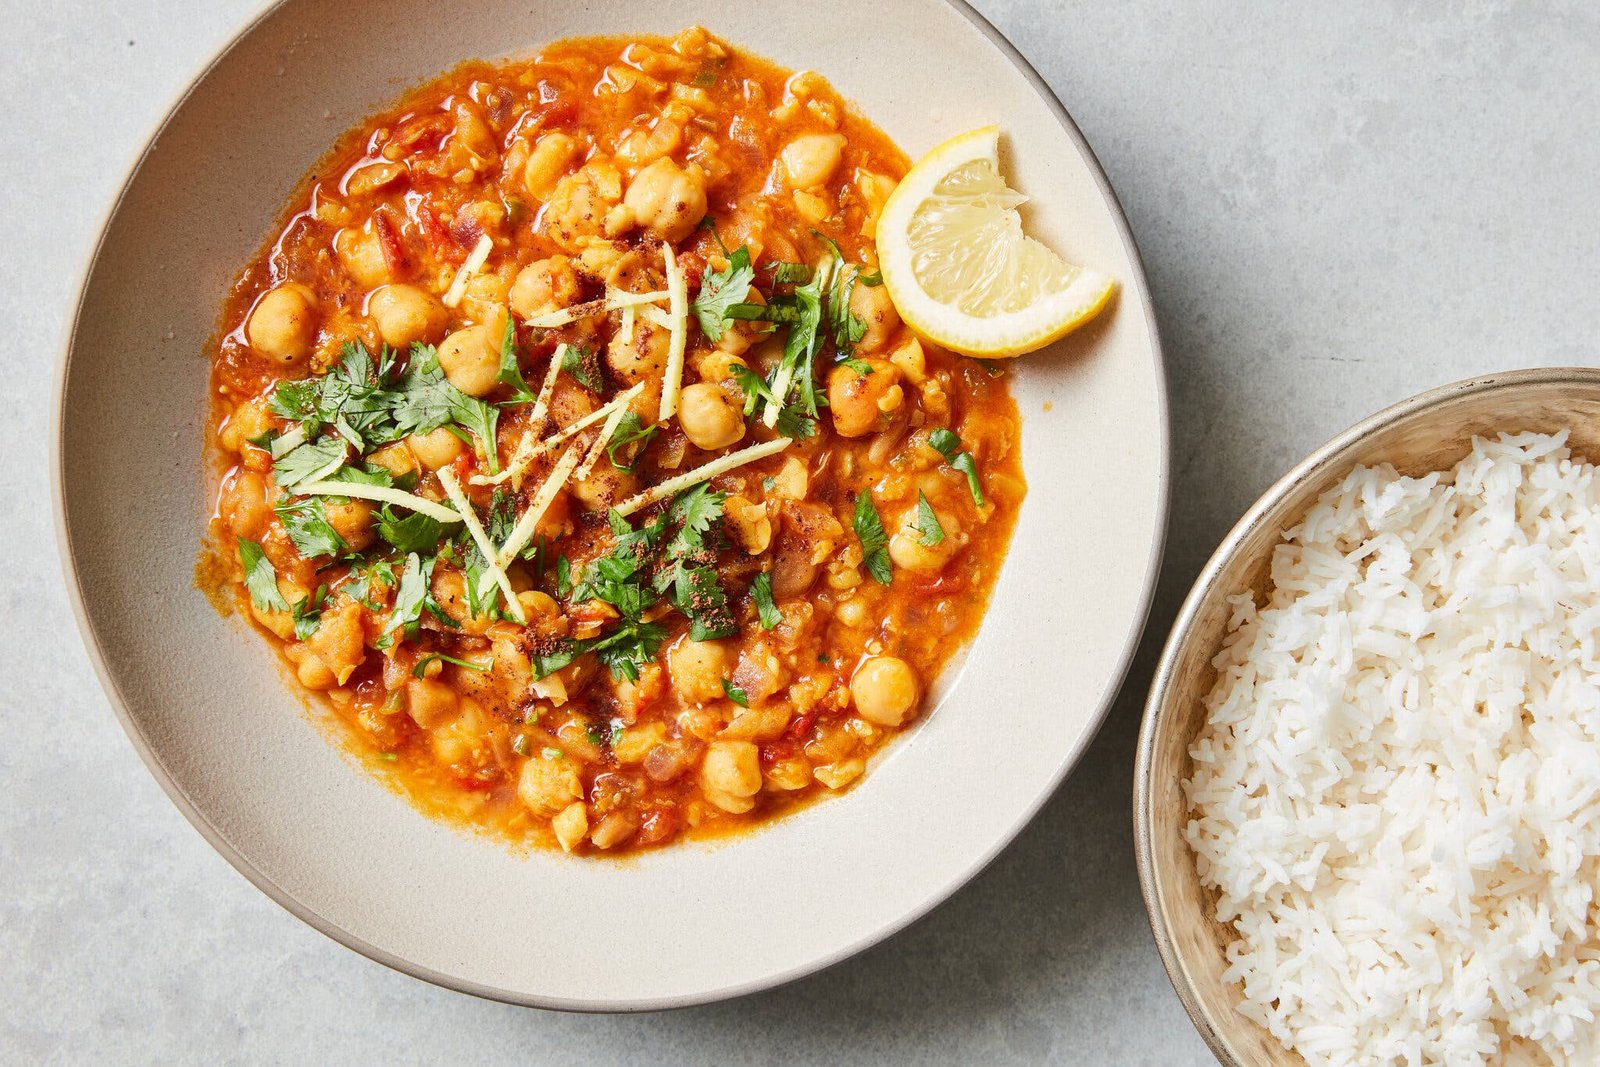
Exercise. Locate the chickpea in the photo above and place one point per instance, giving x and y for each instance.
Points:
(315, 674)
(810, 160)
(450, 593)
(861, 401)
(470, 359)
(709, 416)
(872, 305)
(361, 252)
(667, 200)
(548, 786)
(698, 668)
(645, 357)
(732, 767)
(571, 825)
(396, 459)
(906, 547)
(429, 702)
(436, 448)
(283, 324)
(884, 690)
(249, 421)
(604, 487)
(352, 521)
(245, 505)
(544, 285)
(405, 313)
(551, 156)
(340, 639)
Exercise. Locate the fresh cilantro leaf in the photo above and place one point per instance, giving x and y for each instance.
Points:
(260, 577)
(423, 395)
(699, 596)
(420, 670)
(425, 400)
(874, 542)
(927, 522)
(296, 400)
(761, 593)
(307, 525)
(481, 419)
(860, 366)
(804, 341)
(307, 613)
(354, 399)
(720, 290)
(629, 647)
(948, 445)
(563, 577)
(579, 362)
(411, 598)
(790, 273)
(560, 654)
(510, 371)
(630, 431)
(791, 422)
(412, 532)
(695, 510)
(365, 576)
(738, 696)
(482, 595)
(299, 464)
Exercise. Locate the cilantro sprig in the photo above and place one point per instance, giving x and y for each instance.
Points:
(927, 522)
(721, 290)
(260, 577)
(761, 593)
(948, 445)
(874, 542)
(671, 557)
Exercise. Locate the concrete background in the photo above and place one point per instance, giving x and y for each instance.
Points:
(1338, 207)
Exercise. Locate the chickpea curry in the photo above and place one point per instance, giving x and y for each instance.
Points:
(571, 447)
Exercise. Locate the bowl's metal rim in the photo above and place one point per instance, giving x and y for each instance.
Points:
(1138, 282)
(1206, 586)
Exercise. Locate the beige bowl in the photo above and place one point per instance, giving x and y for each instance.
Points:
(205, 707)
(1429, 432)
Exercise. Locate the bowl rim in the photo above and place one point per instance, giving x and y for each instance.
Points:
(1207, 586)
(1137, 282)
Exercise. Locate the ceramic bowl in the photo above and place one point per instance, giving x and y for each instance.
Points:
(206, 708)
(1429, 432)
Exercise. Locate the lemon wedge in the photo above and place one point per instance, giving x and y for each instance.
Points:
(959, 268)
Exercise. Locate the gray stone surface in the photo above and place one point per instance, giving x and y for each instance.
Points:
(1338, 207)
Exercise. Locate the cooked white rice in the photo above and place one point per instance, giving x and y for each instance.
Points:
(1397, 793)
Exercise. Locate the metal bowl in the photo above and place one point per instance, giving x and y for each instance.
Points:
(1429, 432)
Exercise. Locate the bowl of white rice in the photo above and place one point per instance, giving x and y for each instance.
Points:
(1367, 800)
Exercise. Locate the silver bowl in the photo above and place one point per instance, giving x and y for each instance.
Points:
(1429, 432)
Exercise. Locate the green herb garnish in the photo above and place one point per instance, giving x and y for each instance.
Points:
(948, 445)
(874, 542)
(420, 670)
(260, 577)
(721, 290)
(927, 522)
(738, 696)
(631, 430)
(578, 362)
(761, 593)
